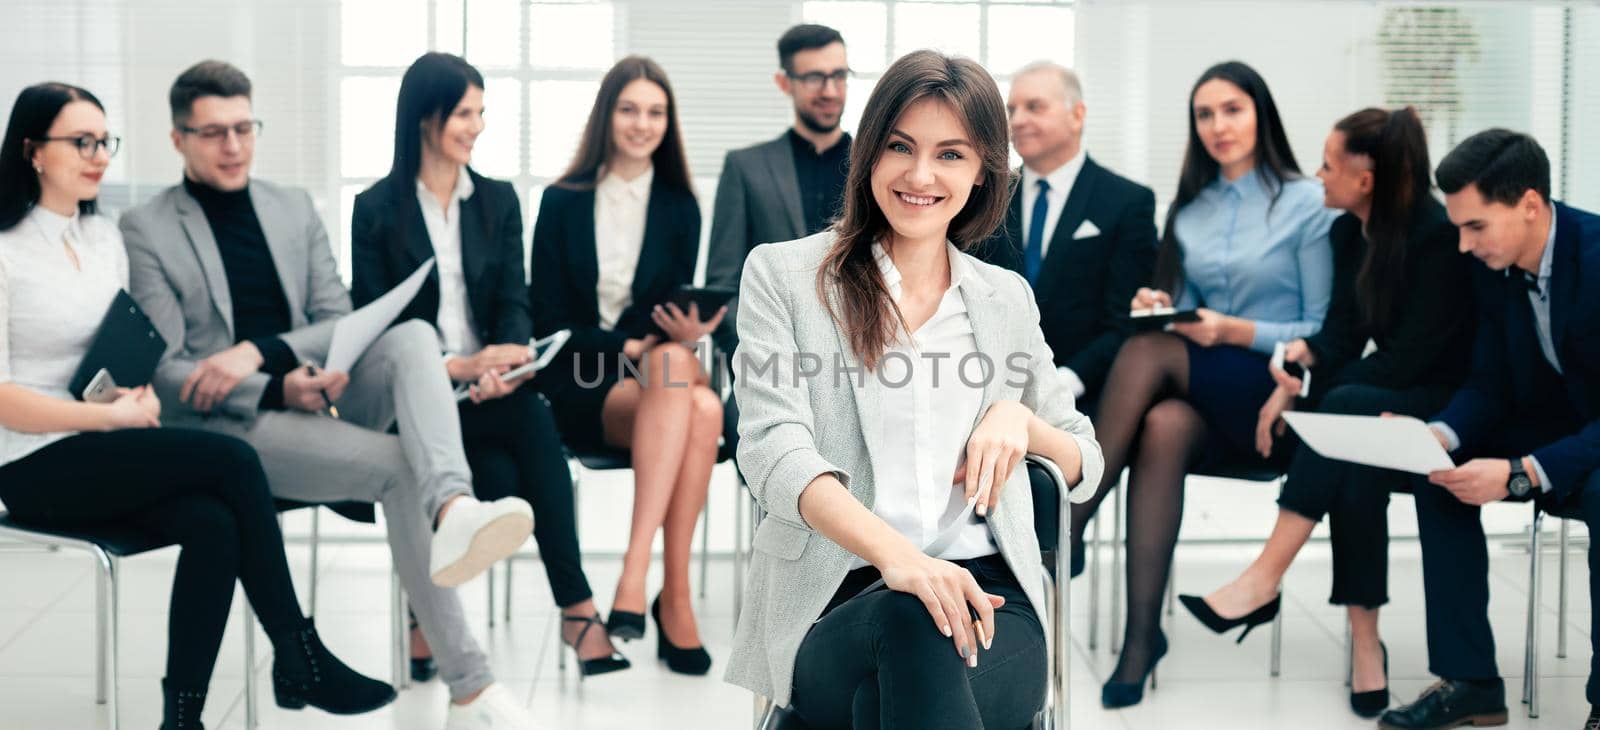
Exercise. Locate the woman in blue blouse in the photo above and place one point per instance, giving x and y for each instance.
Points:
(1246, 244)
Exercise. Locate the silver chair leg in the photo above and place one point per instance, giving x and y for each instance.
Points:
(1277, 637)
(489, 579)
(102, 627)
(252, 718)
(1533, 619)
(398, 629)
(1094, 584)
(316, 534)
(1061, 719)
(113, 639)
(1116, 580)
(1172, 586)
(1349, 653)
(509, 562)
(739, 510)
(1561, 592)
(766, 713)
(705, 546)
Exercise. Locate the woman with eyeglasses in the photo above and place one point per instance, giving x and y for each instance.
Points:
(67, 464)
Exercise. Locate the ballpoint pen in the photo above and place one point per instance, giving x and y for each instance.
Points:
(332, 409)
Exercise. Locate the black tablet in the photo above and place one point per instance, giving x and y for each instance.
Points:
(1147, 320)
(126, 345)
(708, 298)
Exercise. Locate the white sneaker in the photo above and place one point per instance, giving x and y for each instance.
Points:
(474, 535)
(495, 708)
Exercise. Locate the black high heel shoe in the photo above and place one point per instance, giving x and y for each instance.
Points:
(422, 668)
(1220, 625)
(693, 660)
(625, 625)
(1126, 694)
(1370, 704)
(590, 667)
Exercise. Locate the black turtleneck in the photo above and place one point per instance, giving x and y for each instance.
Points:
(260, 308)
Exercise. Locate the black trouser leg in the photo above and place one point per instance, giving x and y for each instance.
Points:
(204, 491)
(1455, 582)
(515, 449)
(878, 661)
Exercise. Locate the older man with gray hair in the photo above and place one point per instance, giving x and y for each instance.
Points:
(1083, 236)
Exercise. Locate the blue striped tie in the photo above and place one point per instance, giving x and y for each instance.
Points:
(1035, 244)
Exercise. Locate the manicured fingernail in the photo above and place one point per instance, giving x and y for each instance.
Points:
(966, 653)
(946, 630)
(982, 509)
(972, 661)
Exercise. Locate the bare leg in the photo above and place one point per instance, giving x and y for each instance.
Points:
(650, 420)
(1368, 674)
(688, 499)
(1258, 584)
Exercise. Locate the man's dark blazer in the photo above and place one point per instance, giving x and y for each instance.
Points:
(566, 274)
(1509, 370)
(1085, 285)
(389, 240)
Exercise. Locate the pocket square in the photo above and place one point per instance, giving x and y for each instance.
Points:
(1087, 229)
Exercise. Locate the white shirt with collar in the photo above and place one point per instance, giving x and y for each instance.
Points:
(458, 335)
(929, 405)
(619, 217)
(1061, 182)
(51, 309)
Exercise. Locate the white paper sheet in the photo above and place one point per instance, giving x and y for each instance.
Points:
(1402, 443)
(356, 331)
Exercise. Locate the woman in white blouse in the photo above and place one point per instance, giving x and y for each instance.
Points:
(68, 464)
(896, 579)
(617, 234)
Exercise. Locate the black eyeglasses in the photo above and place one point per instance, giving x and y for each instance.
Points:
(218, 132)
(814, 80)
(89, 145)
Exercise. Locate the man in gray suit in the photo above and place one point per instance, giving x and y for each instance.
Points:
(788, 188)
(238, 277)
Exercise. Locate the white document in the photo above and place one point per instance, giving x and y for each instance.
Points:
(1401, 443)
(356, 331)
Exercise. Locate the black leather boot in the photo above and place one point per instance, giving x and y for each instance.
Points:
(304, 673)
(181, 707)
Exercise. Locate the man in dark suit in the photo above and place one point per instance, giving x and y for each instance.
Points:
(1529, 411)
(1083, 236)
(789, 187)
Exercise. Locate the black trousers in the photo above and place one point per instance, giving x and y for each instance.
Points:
(1455, 577)
(201, 490)
(877, 661)
(514, 449)
(1355, 497)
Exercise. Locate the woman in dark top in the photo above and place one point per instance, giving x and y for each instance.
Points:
(432, 205)
(1401, 282)
(616, 235)
(71, 465)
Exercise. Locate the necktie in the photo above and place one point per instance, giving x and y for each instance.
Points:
(1035, 243)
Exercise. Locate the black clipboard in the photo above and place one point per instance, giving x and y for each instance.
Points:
(126, 344)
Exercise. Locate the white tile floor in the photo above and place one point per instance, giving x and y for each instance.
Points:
(47, 631)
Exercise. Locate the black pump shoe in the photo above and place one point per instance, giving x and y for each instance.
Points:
(422, 668)
(625, 625)
(693, 660)
(1220, 625)
(181, 707)
(304, 673)
(590, 667)
(1371, 704)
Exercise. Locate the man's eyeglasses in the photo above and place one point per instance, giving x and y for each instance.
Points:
(814, 80)
(89, 145)
(219, 132)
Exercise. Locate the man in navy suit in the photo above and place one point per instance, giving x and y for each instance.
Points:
(1083, 236)
(1528, 415)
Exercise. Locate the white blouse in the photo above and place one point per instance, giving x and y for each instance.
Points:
(619, 212)
(444, 231)
(930, 398)
(49, 309)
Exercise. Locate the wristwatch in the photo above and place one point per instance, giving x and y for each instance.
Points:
(1519, 485)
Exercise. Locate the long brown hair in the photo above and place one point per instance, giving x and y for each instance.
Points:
(1398, 147)
(1274, 161)
(866, 311)
(596, 148)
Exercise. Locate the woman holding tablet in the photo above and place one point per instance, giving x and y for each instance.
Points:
(1246, 245)
(67, 464)
(896, 511)
(433, 205)
(1398, 281)
(617, 234)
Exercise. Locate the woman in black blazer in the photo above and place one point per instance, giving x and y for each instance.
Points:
(1399, 281)
(432, 205)
(616, 235)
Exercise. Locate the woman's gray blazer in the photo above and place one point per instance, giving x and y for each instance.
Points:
(794, 427)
